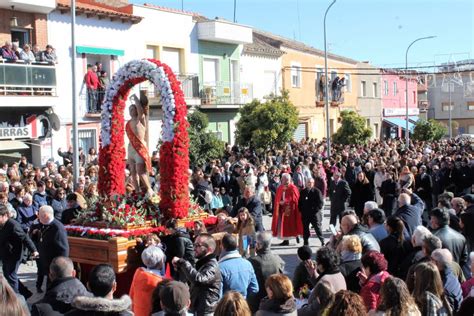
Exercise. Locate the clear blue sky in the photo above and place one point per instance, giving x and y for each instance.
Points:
(375, 30)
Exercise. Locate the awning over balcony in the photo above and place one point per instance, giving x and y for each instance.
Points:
(414, 118)
(399, 122)
(99, 51)
(8, 145)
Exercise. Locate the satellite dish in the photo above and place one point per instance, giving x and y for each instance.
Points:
(54, 120)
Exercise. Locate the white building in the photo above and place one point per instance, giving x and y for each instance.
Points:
(261, 65)
(102, 36)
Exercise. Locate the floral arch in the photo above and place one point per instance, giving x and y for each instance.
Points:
(174, 151)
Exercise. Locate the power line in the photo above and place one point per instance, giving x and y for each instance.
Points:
(379, 68)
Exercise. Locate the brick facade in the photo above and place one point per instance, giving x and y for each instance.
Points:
(36, 23)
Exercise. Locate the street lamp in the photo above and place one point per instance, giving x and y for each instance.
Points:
(75, 139)
(328, 136)
(407, 131)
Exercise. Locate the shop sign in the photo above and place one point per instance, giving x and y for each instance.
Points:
(401, 112)
(28, 130)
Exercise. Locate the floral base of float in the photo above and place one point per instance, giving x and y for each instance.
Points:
(95, 245)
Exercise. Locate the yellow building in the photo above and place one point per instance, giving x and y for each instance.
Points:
(302, 71)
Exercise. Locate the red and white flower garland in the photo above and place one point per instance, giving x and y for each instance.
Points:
(174, 152)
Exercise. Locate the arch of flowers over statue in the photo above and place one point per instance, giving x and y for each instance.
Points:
(174, 151)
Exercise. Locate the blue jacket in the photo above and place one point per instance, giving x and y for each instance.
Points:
(237, 274)
(40, 199)
(411, 214)
(26, 215)
(452, 289)
(379, 232)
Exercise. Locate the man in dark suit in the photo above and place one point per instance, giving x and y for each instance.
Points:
(12, 240)
(424, 188)
(339, 193)
(253, 204)
(52, 237)
(310, 204)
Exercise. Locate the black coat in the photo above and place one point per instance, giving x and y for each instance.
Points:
(52, 243)
(69, 214)
(12, 240)
(59, 296)
(311, 201)
(389, 191)
(455, 243)
(339, 194)
(361, 193)
(424, 186)
(349, 270)
(395, 253)
(178, 245)
(205, 282)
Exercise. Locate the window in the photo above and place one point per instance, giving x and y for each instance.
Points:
(470, 106)
(270, 83)
(151, 52)
(348, 83)
(395, 90)
(172, 57)
(210, 71)
(296, 75)
(87, 139)
(20, 36)
(445, 106)
(385, 87)
(374, 89)
(363, 88)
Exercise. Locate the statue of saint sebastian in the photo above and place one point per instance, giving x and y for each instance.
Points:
(138, 159)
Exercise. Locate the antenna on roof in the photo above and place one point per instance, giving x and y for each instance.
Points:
(235, 10)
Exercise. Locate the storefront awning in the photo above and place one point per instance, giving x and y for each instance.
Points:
(395, 121)
(9, 145)
(414, 118)
(99, 51)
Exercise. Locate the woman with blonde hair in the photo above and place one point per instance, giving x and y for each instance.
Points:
(11, 304)
(429, 292)
(280, 299)
(246, 230)
(232, 304)
(351, 253)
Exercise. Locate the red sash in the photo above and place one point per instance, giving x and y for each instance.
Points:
(138, 145)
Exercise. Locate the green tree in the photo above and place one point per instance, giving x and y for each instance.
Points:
(268, 124)
(203, 145)
(353, 130)
(429, 130)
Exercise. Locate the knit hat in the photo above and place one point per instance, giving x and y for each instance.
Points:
(304, 253)
(175, 296)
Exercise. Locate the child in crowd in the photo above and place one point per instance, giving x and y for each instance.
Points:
(246, 231)
(301, 276)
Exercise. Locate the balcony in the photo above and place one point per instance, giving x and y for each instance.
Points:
(36, 6)
(333, 99)
(189, 85)
(222, 31)
(231, 94)
(27, 85)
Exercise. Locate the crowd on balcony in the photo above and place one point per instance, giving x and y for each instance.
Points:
(96, 80)
(11, 52)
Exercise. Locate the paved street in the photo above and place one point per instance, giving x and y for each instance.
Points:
(27, 272)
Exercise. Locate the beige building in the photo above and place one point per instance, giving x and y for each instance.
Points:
(302, 71)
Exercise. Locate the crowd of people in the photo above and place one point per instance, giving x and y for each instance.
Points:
(404, 244)
(12, 52)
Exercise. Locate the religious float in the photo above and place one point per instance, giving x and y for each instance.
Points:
(107, 231)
